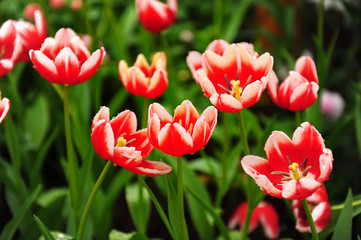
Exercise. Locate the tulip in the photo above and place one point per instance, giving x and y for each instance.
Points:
(299, 90)
(119, 142)
(320, 210)
(294, 169)
(31, 36)
(4, 108)
(156, 16)
(9, 47)
(263, 213)
(186, 132)
(142, 79)
(332, 104)
(235, 80)
(65, 59)
(194, 58)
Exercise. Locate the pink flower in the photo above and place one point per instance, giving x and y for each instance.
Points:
(156, 16)
(332, 104)
(263, 213)
(9, 47)
(31, 36)
(56, 4)
(294, 169)
(65, 59)
(4, 108)
(299, 90)
(144, 80)
(29, 11)
(119, 142)
(320, 210)
(236, 79)
(186, 132)
(76, 5)
(194, 58)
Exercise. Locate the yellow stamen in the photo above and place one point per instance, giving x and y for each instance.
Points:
(190, 128)
(147, 80)
(294, 170)
(236, 89)
(121, 142)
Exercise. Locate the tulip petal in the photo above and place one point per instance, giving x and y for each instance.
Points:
(303, 96)
(158, 84)
(44, 66)
(126, 157)
(186, 115)
(162, 114)
(300, 189)
(124, 123)
(205, 83)
(174, 133)
(140, 141)
(259, 169)
(103, 140)
(251, 94)
(153, 129)
(91, 65)
(307, 68)
(194, 62)
(102, 114)
(151, 168)
(67, 66)
(226, 103)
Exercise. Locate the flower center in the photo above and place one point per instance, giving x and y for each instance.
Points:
(296, 172)
(234, 86)
(121, 142)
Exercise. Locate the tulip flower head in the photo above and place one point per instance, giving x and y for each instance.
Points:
(186, 132)
(299, 90)
(144, 80)
(31, 35)
(236, 79)
(118, 141)
(156, 16)
(194, 58)
(65, 59)
(263, 213)
(332, 104)
(320, 211)
(9, 47)
(4, 108)
(294, 169)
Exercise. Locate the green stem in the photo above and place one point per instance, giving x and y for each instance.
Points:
(246, 223)
(217, 17)
(145, 113)
(341, 206)
(310, 219)
(91, 200)
(298, 118)
(243, 134)
(88, 27)
(180, 199)
(72, 165)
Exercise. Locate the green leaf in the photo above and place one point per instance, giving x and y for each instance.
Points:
(58, 236)
(343, 229)
(172, 208)
(36, 122)
(236, 21)
(139, 206)
(43, 229)
(10, 228)
(46, 199)
(160, 211)
(358, 120)
(222, 228)
(116, 235)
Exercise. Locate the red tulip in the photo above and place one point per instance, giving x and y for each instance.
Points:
(194, 58)
(186, 132)
(299, 90)
(263, 213)
(4, 108)
(320, 210)
(156, 16)
(294, 169)
(118, 141)
(235, 80)
(31, 36)
(144, 80)
(65, 59)
(9, 47)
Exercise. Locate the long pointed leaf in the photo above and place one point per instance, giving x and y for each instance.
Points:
(44, 230)
(343, 229)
